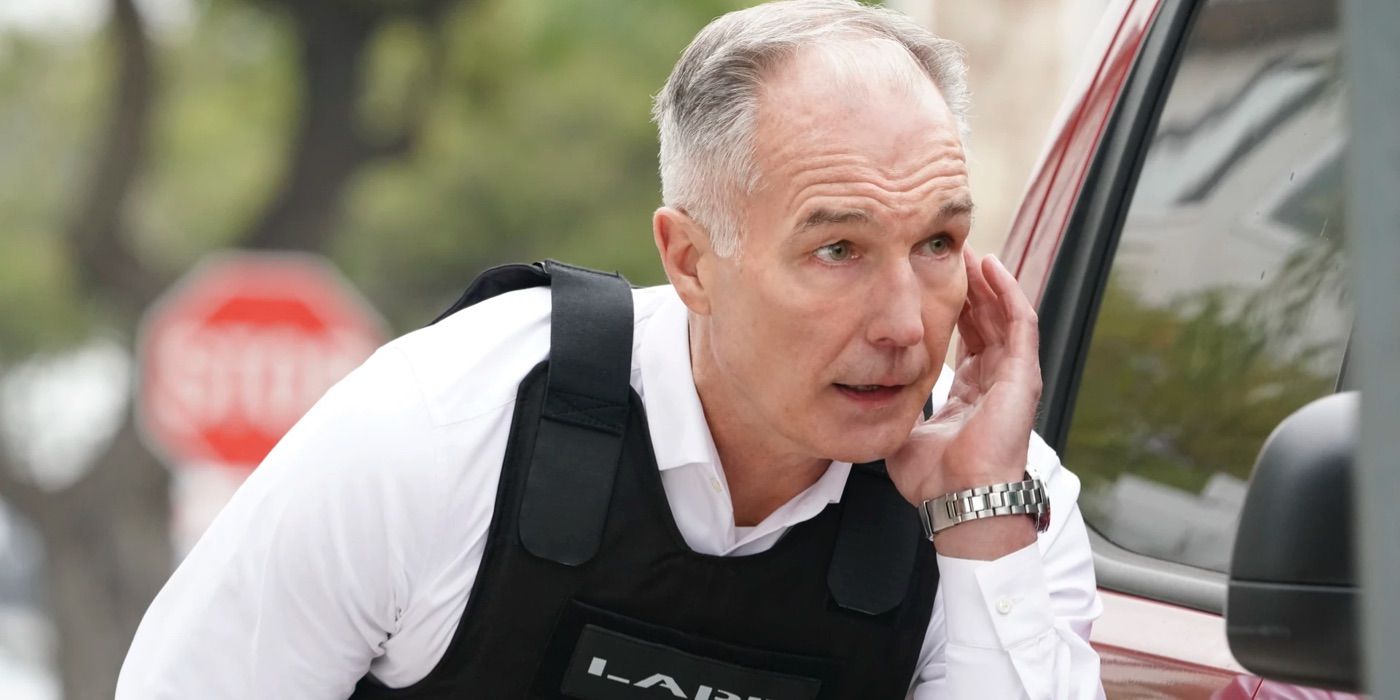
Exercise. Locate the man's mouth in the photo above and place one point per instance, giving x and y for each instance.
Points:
(870, 393)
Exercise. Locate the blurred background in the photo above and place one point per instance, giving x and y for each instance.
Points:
(413, 143)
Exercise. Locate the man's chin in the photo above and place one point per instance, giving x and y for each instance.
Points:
(869, 445)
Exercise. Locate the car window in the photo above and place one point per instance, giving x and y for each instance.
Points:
(1225, 306)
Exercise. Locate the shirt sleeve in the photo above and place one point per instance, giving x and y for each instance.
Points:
(1018, 627)
(294, 588)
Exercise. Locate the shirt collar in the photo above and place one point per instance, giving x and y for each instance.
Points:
(680, 436)
(675, 418)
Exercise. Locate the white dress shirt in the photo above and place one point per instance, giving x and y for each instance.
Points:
(354, 546)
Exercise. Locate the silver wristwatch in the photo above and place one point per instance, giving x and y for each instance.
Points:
(1015, 498)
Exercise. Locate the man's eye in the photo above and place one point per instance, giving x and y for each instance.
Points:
(839, 251)
(939, 245)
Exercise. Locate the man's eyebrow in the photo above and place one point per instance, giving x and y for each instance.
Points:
(962, 206)
(823, 216)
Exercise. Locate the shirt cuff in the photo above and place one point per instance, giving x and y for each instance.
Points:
(996, 604)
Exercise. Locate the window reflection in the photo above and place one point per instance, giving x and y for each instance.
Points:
(1225, 308)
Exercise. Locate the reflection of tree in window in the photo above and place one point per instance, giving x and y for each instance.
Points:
(1177, 394)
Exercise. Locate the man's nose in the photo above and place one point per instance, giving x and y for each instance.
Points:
(897, 309)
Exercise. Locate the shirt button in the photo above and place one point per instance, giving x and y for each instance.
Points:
(714, 484)
(1004, 605)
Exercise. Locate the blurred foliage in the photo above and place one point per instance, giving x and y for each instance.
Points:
(46, 94)
(545, 150)
(538, 144)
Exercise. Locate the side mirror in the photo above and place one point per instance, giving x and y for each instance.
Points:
(1290, 614)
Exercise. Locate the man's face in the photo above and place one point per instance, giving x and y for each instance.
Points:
(832, 322)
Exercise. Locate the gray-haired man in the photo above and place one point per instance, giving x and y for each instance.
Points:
(709, 490)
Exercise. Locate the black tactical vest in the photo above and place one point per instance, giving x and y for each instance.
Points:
(588, 591)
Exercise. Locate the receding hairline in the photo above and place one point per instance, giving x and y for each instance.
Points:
(877, 63)
(854, 60)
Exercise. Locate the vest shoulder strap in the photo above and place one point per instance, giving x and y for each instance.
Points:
(496, 281)
(877, 545)
(578, 444)
(580, 432)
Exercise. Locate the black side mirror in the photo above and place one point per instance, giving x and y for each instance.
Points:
(1291, 611)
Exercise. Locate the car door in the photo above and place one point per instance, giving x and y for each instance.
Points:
(1192, 296)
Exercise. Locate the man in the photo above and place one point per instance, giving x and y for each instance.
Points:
(668, 507)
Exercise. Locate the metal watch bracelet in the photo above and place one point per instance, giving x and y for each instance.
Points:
(1026, 497)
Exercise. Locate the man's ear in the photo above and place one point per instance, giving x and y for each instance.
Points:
(685, 253)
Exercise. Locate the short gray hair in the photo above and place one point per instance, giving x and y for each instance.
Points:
(707, 111)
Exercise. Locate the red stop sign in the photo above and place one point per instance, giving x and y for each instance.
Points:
(240, 348)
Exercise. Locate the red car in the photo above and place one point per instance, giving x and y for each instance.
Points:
(1181, 237)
